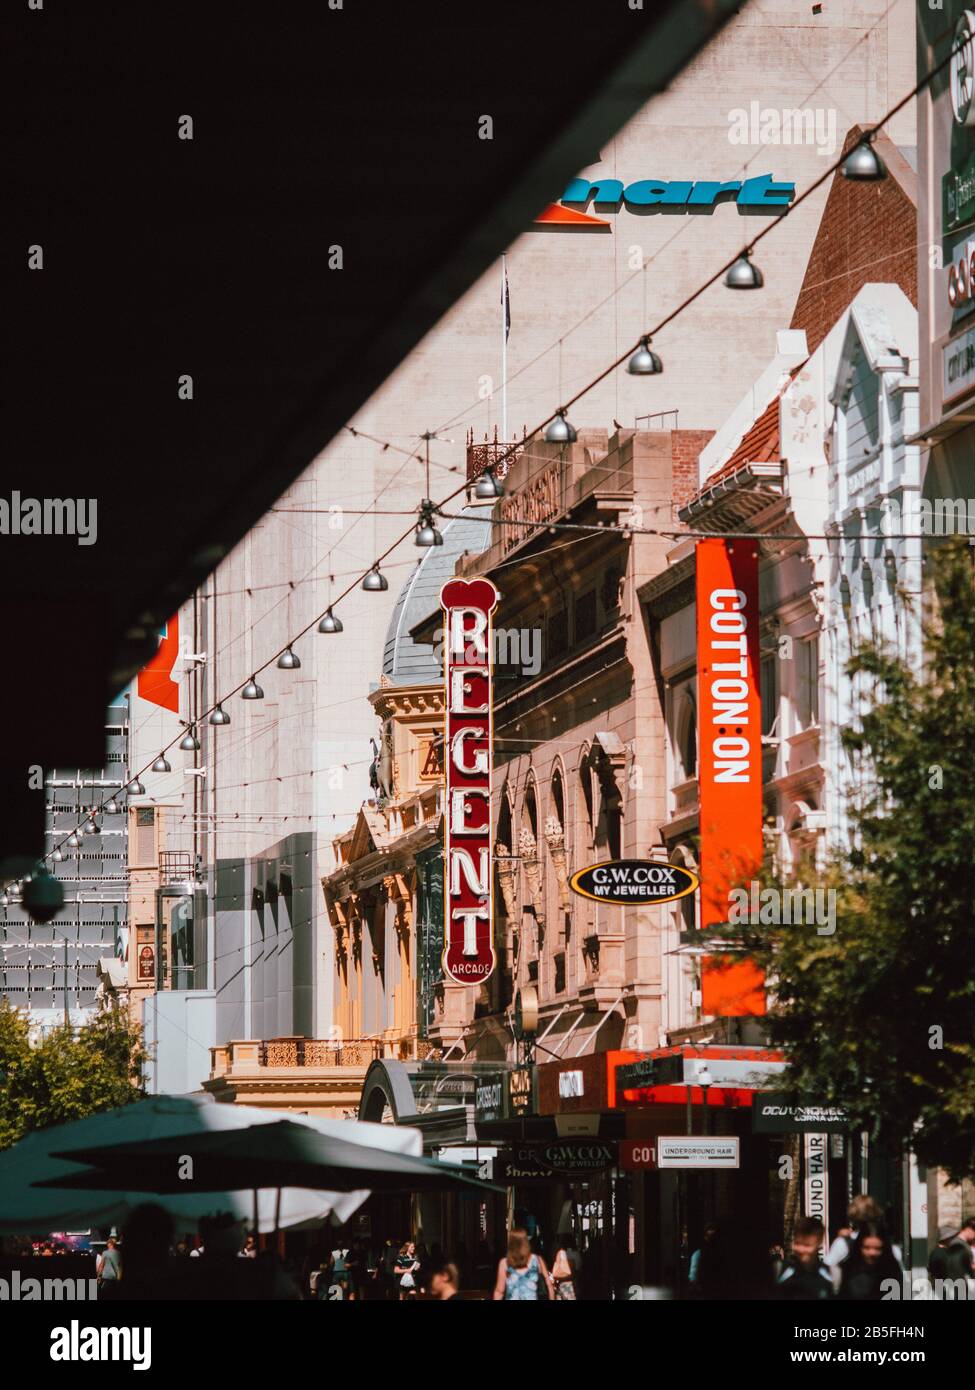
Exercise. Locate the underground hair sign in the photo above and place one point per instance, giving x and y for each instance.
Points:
(633, 882)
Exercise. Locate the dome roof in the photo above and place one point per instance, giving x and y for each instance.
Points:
(404, 662)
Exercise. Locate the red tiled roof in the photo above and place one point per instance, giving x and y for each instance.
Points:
(760, 444)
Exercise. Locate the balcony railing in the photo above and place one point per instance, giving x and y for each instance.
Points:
(320, 1052)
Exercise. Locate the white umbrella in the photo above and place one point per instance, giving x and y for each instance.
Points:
(26, 1209)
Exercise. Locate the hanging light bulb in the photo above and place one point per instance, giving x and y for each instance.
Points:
(111, 807)
(162, 764)
(644, 362)
(72, 841)
(560, 431)
(56, 854)
(287, 661)
(426, 533)
(252, 691)
(330, 623)
(219, 716)
(863, 163)
(91, 826)
(375, 582)
(487, 487)
(189, 743)
(135, 788)
(743, 275)
(14, 890)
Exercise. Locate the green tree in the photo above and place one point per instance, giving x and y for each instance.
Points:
(67, 1073)
(880, 1017)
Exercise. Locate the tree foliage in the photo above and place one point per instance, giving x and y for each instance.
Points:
(67, 1073)
(880, 1016)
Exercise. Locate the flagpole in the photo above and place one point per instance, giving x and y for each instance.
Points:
(504, 351)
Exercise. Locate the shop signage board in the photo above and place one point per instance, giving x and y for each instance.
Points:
(555, 1158)
(772, 1114)
(816, 1179)
(638, 1155)
(681, 1151)
(730, 771)
(505, 1095)
(958, 366)
(468, 955)
(633, 882)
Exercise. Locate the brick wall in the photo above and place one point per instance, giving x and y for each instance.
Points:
(868, 233)
(686, 446)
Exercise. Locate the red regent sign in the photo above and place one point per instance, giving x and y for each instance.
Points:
(468, 956)
(730, 741)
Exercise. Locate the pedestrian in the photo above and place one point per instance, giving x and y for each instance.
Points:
(339, 1273)
(406, 1267)
(248, 1250)
(805, 1275)
(702, 1270)
(445, 1283)
(565, 1267)
(951, 1266)
(522, 1275)
(108, 1266)
(865, 1272)
(863, 1210)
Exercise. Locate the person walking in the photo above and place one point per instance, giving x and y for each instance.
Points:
(108, 1266)
(565, 1266)
(406, 1267)
(870, 1265)
(805, 1275)
(522, 1275)
(445, 1283)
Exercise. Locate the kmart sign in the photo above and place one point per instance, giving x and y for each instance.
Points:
(754, 195)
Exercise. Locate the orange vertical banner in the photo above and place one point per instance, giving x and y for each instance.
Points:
(730, 757)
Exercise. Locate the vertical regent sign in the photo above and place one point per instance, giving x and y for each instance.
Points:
(468, 956)
(730, 756)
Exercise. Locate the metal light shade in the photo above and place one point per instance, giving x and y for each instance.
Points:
(252, 691)
(487, 488)
(375, 582)
(287, 661)
(162, 764)
(743, 275)
(219, 716)
(560, 431)
(644, 362)
(135, 788)
(111, 807)
(72, 841)
(56, 855)
(189, 743)
(426, 533)
(330, 623)
(864, 164)
(91, 827)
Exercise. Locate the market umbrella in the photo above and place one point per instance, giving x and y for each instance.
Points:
(25, 1208)
(283, 1154)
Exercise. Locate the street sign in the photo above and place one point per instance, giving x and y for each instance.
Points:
(771, 1114)
(633, 882)
(682, 1151)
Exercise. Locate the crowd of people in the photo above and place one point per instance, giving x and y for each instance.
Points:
(861, 1265)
